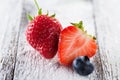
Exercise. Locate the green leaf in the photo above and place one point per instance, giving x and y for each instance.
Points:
(53, 15)
(29, 17)
(74, 24)
(94, 37)
(79, 25)
(39, 11)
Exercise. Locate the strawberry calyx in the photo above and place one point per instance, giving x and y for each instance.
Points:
(80, 26)
(30, 18)
(39, 9)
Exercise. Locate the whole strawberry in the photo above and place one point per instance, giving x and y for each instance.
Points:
(43, 33)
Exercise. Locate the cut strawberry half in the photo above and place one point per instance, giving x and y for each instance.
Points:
(74, 42)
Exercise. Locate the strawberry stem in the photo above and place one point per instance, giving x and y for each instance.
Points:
(29, 17)
(39, 9)
(36, 4)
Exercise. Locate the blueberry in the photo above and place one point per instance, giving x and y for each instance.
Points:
(83, 66)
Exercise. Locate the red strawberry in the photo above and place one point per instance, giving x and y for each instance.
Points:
(74, 42)
(43, 34)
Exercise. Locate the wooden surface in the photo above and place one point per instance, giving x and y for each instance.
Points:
(19, 61)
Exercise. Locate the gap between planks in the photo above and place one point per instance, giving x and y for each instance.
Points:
(12, 10)
(107, 28)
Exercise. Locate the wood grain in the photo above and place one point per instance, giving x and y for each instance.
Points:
(31, 66)
(107, 18)
(9, 23)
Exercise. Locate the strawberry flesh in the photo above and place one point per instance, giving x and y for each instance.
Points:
(73, 42)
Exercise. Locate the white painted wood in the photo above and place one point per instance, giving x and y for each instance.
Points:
(3, 11)
(107, 17)
(31, 66)
(10, 15)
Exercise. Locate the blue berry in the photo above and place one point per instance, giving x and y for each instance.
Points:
(83, 66)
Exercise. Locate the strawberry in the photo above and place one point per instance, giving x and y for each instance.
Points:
(43, 33)
(73, 42)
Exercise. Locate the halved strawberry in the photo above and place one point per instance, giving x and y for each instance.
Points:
(74, 42)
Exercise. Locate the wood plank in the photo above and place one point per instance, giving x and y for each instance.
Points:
(9, 24)
(107, 17)
(31, 66)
